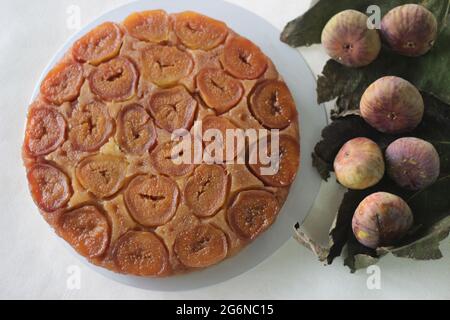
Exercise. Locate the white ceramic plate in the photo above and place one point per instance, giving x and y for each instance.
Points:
(302, 83)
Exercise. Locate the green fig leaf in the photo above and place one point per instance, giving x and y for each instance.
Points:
(431, 206)
(307, 29)
(429, 73)
(434, 128)
(426, 247)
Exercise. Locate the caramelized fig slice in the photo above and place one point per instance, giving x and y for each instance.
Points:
(272, 104)
(152, 25)
(86, 229)
(165, 158)
(152, 200)
(287, 163)
(100, 44)
(50, 187)
(173, 108)
(102, 175)
(165, 66)
(201, 246)
(141, 253)
(221, 124)
(114, 80)
(197, 31)
(45, 131)
(90, 127)
(243, 59)
(252, 212)
(136, 133)
(63, 83)
(206, 190)
(220, 91)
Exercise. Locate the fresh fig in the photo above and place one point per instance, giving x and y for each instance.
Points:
(381, 220)
(392, 105)
(349, 41)
(410, 30)
(412, 163)
(359, 164)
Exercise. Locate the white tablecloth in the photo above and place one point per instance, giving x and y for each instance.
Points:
(33, 262)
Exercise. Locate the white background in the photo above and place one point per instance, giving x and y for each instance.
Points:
(34, 264)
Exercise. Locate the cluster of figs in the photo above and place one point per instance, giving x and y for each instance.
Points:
(391, 105)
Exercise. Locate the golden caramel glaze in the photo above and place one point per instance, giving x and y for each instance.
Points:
(99, 155)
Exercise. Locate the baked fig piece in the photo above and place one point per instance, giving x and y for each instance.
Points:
(201, 246)
(165, 66)
(152, 25)
(86, 229)
(252, 212)
(359, 164)
(392, 105)
(141, 253)
(243, 59)
(100, 44)
(220, 91)
(102, 175)
(63, 83)
(136, 133)
(114, 80)
(410, 30)
(206, 190)
(212, 125)
(381, 220)
(45, 131)
(349, 41)
(173, 108)
(272, 104)
(412, 163)
(282, 170)
(90, 127)
(169, 159)
(49, 186)
(197, 31)
(152, 200)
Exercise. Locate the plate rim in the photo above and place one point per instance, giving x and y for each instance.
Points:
(161, 284)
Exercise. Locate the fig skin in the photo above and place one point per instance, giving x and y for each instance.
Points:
(392, 105)
(199, 32)
(86, 229)
(99, 45)
(252, 212)
(151, 26)
(50, 187)
(115, 80)
(45, 131)
(381, 220)
(349, 41)
(359, 164)
(412, 163)
(409, 30)
(102, 175)
(142, 254)
(201, 246)
(63, 83)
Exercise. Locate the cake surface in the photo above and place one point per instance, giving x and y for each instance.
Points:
(98, 147)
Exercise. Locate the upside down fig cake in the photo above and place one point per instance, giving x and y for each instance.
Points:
(98, 142)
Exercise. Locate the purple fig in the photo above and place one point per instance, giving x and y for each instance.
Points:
(359, 164)
(410, 30)
(381, 220)
(412, 163)
(349, 41)
(392, 105)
